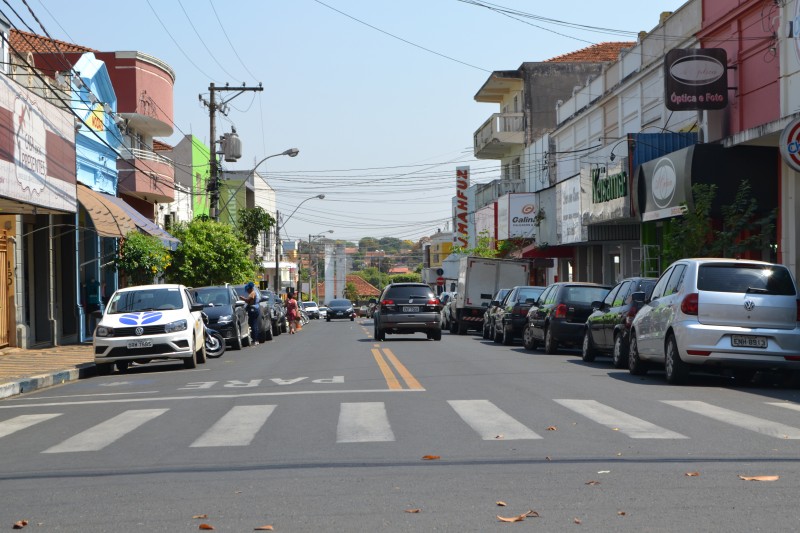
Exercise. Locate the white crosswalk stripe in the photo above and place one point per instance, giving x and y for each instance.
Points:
(490, 422)
(363, 422)
(752, 423)
(105, 433)
(635, 428)
(23, 421)
(238, 427)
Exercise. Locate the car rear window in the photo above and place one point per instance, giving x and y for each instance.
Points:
(525, 294)
(402, 293)
(585, 294)
(772, 279)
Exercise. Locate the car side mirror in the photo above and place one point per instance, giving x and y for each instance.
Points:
(638, 298)
(239, 303)
(196, 307)
(495, 303)
(597, 304)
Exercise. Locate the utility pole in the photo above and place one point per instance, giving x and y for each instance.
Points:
(277, 253)
(213, 106)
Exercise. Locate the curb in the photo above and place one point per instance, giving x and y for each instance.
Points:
(43, 381)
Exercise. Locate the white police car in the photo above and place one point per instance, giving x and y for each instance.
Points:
(149, 322)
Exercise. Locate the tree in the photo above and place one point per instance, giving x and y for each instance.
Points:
(141, 258)
(405, 278)
(210, 253)
(251, 223)
(350, 291)
(483, 248)
(374, 277)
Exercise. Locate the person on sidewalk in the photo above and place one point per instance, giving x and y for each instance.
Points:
(292, 315)
(251, 298)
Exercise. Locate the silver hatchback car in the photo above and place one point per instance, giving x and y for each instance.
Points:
(718, 313)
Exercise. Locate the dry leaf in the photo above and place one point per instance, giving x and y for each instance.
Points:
(552, 428)
(532, 514)
(431, 457)
(621, 513)
(604, 472)
(20, 524)
(693, 474)
(547, 458)
(760, 478)
(499, 436)
(412, 510)
(264, 528)
(501, 504)
(592, 482)
(206, 526)
(200, 516)
(518, 518)
(577, 520)
(614, 429)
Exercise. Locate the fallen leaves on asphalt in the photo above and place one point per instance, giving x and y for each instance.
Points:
(413, 510)
(577, 521)
(19, 524)
(431, 457)
(760, 478)
(552, 428)
(200, 516)
(264, 528)
(692, 474)
(206, 526)
(500, 504)
(592, 482)
(519, 518)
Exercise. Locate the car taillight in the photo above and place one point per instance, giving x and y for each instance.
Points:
(519, 311)
(433, 302)
(689, 304)
(387, 302)
(561, 311)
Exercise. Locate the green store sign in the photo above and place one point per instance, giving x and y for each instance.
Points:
(606, 188)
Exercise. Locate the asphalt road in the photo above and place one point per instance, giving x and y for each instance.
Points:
(328, 430)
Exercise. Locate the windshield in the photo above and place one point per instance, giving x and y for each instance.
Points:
(145, 300)
(340, 303)
(212, 296)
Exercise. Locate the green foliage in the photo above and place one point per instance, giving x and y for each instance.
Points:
(374, 277)
(210, 253)
(350, 291)
(694, 234)
(141, 258)
(403, 278)
(251, 223)
(483, 248)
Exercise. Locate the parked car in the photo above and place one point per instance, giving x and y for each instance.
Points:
(226, 313)
(558, 318)
(488, 316)
(608, 327)
(146, 323)
(723, 314)
(340, 308)
(444, 299)
(311, 309)
(266, 318)
(406, 308)
(510, 317)
(450, 313)
(323, 311)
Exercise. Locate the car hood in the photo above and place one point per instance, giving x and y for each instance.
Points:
(145, 318)
(218, 311)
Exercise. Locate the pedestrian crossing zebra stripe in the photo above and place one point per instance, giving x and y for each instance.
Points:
(635, 428)
(490, 422)
(238, 427)
(363, 422)
(734, 418)
(23, 421)
(98, 437)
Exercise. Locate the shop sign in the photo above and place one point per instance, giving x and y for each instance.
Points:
(462, 207)
(570, 220)
(516, 215)
(696, 78)
(666, 182)
(606, 192)
(790, 142)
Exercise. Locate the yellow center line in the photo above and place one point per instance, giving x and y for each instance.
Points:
(388, 375)
(410, 380)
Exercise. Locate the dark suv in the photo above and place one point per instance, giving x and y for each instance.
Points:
(408, 308)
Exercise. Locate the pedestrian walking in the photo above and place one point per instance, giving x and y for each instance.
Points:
(251, 298)
(292, 315)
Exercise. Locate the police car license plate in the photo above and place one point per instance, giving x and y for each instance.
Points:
(140, 344)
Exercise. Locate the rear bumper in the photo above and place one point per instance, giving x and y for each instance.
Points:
(781, 343)
(570, 333)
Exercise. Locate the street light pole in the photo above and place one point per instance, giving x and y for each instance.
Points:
(278, 227)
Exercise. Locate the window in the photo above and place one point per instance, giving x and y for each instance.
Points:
(741, 278)
(675, 280)
(658, 291)
(609, 300)
(622, 295)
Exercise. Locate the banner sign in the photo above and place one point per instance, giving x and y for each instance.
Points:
(462, 207)
(696, 78)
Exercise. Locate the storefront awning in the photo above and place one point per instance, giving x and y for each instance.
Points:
(113, 217)
(109, 219)
(550, 252)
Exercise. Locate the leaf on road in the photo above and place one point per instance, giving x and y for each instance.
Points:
(552, 428)
(206, 526)
(532, 514)
(19, 524)
(412, 510)
(499, 436)
(592, 482)
(264, 528)
(547, 458)
(760, 478)
(604, 472)
(518, 518)
(501, 504)
(693, 474)
(577, 521)
(431, 457)
(621, 513)
(200, 516)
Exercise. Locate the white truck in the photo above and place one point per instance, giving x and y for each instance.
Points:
(479, 279)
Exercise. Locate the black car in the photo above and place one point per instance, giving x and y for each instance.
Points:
(226, 313)
(510, 317)
(559, 315)
(608, 327)
(408, 308)
(265, 331)
(340, 308)
(491, 311)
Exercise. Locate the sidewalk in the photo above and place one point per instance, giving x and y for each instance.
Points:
(28, 370)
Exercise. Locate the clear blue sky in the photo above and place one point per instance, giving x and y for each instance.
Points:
(381, 110)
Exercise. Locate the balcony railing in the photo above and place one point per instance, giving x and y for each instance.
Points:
(146, 175)
(498, 135)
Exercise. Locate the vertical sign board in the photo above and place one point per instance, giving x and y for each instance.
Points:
(696, 78)
(516, 216)
(570, 210)
(461, 233)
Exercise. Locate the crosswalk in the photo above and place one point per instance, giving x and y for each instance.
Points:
(370, 422)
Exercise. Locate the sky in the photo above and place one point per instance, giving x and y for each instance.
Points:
(377, 96)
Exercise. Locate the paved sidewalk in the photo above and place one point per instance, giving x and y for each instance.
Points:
(28, 370)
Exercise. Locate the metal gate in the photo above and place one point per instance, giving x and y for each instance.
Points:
(5, 286)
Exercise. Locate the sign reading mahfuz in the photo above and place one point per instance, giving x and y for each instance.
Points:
(695, 79)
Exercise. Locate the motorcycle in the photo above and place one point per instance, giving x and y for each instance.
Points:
(215, 342)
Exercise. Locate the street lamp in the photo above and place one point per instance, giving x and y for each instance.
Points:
(313, 260)
(291, 152)
(278, 227)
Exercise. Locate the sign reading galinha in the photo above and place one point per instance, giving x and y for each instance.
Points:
(606, 188)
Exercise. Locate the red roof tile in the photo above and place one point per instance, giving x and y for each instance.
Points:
(593, 54)
(363, 287)
(161, 146)
(22, 41)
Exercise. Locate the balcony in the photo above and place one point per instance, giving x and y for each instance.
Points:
(146, 175)
(501, 135)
